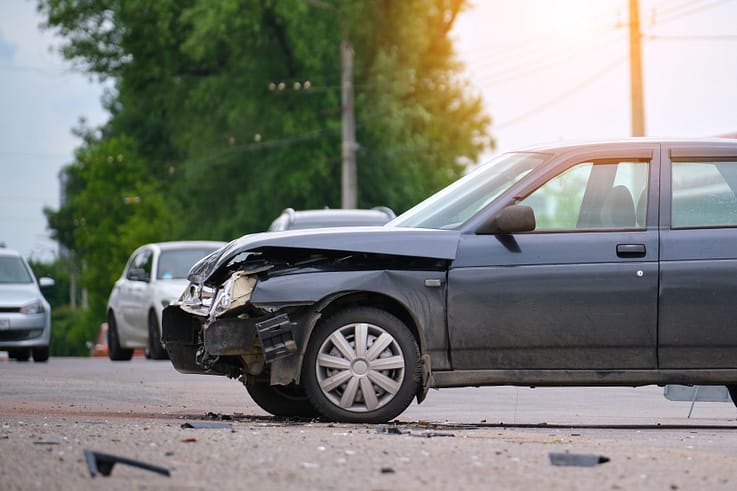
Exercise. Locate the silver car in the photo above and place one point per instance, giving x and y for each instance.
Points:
(154, 276)
(25, 315)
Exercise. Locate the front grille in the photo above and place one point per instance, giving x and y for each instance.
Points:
(20, 334)
(13, 310)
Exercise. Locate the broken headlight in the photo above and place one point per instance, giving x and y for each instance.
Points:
(197, 299)
(235, 292)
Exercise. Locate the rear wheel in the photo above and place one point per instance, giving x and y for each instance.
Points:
(154, 350)
(114, 350)
(733, 393)
(41, 354)
(361, 366)
(281, 400)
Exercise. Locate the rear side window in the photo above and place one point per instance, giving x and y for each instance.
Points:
(703, 194)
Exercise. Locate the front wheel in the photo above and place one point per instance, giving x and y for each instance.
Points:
(154, 349)
(114, 350)
(41, 354)
(281, 400)
(361, 366)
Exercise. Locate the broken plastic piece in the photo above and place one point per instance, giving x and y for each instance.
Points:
(392, 430)
(432, 434)
(199, 425)
(102, 463)
(577, 459)
(277, 337)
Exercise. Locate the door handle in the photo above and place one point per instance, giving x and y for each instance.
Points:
(631, 250)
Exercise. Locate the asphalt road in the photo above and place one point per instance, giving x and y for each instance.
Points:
(492, 438)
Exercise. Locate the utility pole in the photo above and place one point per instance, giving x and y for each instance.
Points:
(349, 180)
(638, 110)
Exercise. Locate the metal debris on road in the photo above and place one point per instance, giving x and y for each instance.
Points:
(576, 459)
(102, 463)
(200, 425)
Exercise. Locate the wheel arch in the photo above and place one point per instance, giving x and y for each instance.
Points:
(287, 370)
(376, 300)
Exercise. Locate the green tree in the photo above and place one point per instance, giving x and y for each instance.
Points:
(112, 207)
(222, 113)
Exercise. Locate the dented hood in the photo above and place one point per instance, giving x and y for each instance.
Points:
(412, 242)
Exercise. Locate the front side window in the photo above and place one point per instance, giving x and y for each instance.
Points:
(13, 270)
(140, 267)
(703, 194)
(592, 195)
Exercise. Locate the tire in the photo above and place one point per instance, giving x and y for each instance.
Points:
(287, 401)
(20, 354)
(40, 354)
(154, 349)
(337, 375)
(114, 351)
(733, 393)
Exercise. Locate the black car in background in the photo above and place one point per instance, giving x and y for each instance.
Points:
(610, 263)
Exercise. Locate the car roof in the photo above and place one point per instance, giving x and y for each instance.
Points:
(330, 217)
(9, 252)
(185, 244)
(562, 146)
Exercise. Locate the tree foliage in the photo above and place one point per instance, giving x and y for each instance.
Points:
(225, 112)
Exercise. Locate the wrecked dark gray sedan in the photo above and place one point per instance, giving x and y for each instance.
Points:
(610, 263)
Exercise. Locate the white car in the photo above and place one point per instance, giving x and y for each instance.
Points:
(154, 276)
(25, 315)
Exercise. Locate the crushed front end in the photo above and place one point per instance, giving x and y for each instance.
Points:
(215, 329)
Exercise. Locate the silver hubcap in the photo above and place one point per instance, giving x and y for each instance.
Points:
(360, 367)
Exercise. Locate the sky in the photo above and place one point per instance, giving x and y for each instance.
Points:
(547, 70)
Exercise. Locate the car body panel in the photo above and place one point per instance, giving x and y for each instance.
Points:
(698, 267)
(440, 244)
(422, 304)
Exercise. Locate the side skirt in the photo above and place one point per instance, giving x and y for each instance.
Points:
(571, 378)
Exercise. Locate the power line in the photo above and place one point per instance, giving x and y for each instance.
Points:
(534, 54)
(597, 24)
(551, 62)
(560, 97)
(697, 9)
(706, 37)
(669, 7)
(38, 70)
(34, 155)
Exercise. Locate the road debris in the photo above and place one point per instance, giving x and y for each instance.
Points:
(102, 463)
(576, 459)
(394, 430)
(201, 425)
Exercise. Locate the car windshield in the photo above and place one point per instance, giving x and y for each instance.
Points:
(175, 263)
(454, 205)
(12, 270)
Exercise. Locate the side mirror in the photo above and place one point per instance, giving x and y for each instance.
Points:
(138, 274)
(511, 220)
(45, 282)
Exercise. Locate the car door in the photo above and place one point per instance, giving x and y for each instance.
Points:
(133, 297)
(698, 301)
(580, 291)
